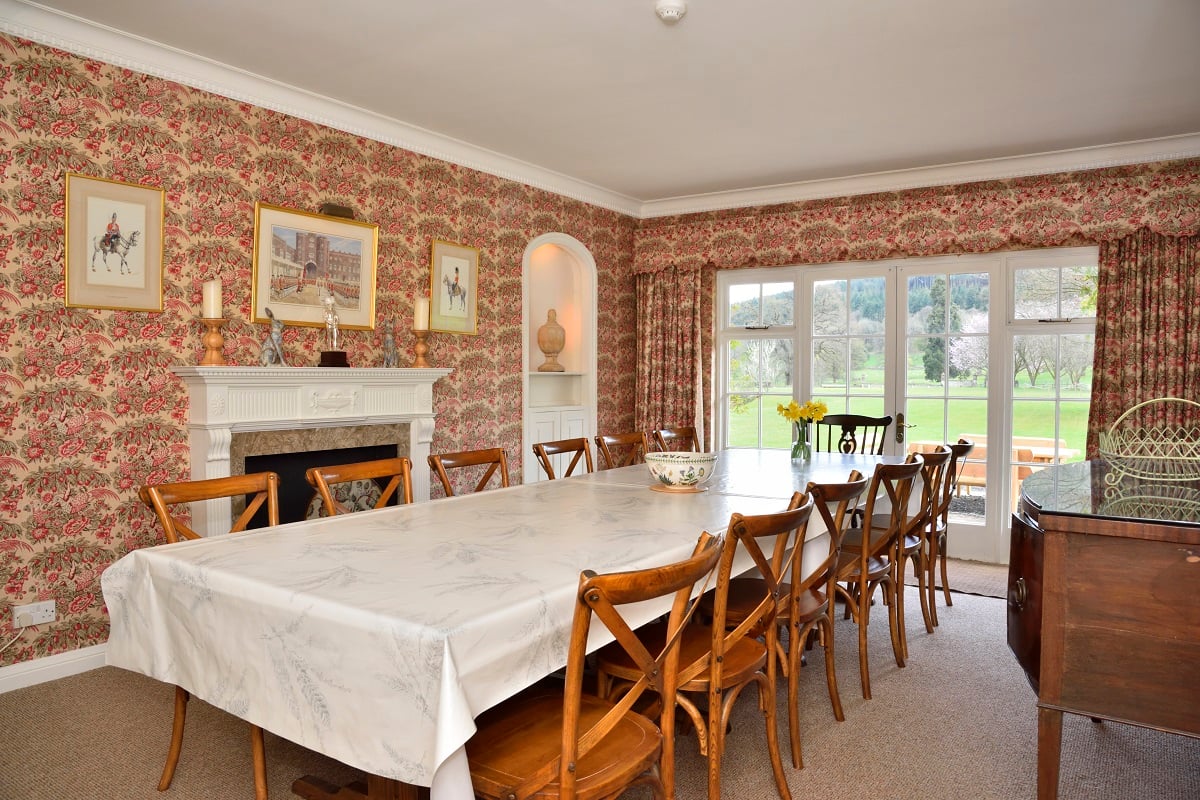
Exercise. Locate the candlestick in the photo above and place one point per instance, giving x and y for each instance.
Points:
(210, 306)
(421, 314)
(214, 343)
(420, 348)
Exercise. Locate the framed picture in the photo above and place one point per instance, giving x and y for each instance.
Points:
(454, 288)
(300, 258)
(114, 253)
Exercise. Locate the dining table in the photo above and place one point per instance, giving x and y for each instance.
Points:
(377, 637)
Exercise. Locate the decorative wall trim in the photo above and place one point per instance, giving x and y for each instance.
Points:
(90, 40)
(51, 668)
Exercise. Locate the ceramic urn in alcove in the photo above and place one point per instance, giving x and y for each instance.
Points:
(550, 338)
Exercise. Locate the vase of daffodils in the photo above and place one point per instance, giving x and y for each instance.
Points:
(800, 416)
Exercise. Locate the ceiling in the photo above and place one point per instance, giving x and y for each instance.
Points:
(737, 96)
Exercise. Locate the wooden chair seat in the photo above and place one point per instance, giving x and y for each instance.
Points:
(519, 736)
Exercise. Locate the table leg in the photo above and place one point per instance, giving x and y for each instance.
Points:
(376, 788)
(1049, 752)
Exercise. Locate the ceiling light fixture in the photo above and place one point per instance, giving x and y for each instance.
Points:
(670, 11)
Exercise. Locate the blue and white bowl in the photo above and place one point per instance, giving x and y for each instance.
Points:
(681, 470)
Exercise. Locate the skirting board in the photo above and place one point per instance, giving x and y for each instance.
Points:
(51, 668)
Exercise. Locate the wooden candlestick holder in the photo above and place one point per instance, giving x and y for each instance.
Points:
(420, 349)
(214, 343)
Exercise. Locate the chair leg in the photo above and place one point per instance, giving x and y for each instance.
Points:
(898, 588)
(931, 578)
(835, 697)
(793, 689)
(864, 617)
(945, 578)
(258, 756)
(895, 616)
(168, 773)
(766, 688)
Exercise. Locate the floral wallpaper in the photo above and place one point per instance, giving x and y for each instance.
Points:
(88, 408)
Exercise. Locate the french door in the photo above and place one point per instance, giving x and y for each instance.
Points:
(994, 348)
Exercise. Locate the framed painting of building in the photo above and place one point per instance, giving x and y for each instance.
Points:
(454, 288)
(300, 258)
(114, 244)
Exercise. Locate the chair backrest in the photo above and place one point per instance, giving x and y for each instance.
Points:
(396, 471)
(935, 474)
(493, 457)
(578, 447)
(958, 454)
(680, 437)
(622, 449)
(892, 483)
(746, 532)
(851, 433)
(601, 596)
(264, 486)
(835, 502)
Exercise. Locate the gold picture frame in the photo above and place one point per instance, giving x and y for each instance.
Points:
(299, 257)
(114, 244)
(454, 288)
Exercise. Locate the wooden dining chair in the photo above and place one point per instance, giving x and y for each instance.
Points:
(681, 437)
(493, 458)
(718, 661)
(622, 449)
(959, 451)
(866, 562)
(384, 477)
(914, 541)
(567, 744)
(261, 489)
(851, 433)
(578, 449)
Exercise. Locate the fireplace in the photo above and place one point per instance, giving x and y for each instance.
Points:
(250, 411)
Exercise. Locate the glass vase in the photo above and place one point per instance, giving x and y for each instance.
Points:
(801, 446)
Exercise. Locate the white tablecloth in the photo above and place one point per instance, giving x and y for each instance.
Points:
(377, 637)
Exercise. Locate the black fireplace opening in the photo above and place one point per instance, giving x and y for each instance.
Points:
(295, 494)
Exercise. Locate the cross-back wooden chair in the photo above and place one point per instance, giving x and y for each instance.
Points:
(493, 458)
(719, 660)
(622, 449)
(566, 744)
(959, 451)
(262, 488)
(389, 475)
(680, 437)
(868, 553)
(914, 542)
(851, 433)
(578, 449)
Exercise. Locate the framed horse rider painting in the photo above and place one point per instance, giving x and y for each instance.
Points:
(454, 288)
(114, 244)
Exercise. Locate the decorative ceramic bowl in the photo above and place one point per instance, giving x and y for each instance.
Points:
(681, 471)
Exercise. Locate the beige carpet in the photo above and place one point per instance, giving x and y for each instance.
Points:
(972, 577)
(958, 723)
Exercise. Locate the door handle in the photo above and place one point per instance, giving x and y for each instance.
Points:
(901, 426)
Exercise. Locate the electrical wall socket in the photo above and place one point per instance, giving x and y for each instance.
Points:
(34, 614)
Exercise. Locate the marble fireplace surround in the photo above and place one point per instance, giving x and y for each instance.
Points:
(241, 411)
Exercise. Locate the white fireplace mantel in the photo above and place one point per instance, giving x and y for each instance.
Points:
(229, 400)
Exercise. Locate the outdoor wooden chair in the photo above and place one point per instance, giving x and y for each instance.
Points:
(563, 743)
(868, 553)
(262, 488)
(622, 449)
(493, 458)
(682, 437)
(578, 449)
(387, 476)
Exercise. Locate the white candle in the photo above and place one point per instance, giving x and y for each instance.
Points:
(421, 314)
(210, 307)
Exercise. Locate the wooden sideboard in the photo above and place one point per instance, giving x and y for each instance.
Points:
(1104, 603)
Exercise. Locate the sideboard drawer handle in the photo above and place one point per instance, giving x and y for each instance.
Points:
(1018, 595)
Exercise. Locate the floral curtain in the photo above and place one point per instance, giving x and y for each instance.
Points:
(1147, 327)
(670, 369)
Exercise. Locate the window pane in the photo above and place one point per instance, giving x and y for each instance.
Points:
(968, 302)
(744, 358)
(967, 419)
(777, 431)
(829, 364)
(779, 306)
(744, 305)
(968, 367)
(1035, 359)
(1075, 365)
(742, 417)
(1036, 294)
(926, 365)
(867, 305)
(927, 421)
(829, 308)
(1079, 292)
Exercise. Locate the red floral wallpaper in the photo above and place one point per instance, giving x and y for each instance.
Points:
(88, 408)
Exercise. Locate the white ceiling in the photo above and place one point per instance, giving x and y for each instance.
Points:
(637, 115)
